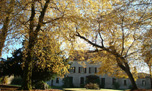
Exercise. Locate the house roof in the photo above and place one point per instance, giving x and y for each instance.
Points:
(143, 75)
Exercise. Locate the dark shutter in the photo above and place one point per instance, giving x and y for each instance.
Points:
(95, 69)
(74, 70)
(89, 69)
(79, 69)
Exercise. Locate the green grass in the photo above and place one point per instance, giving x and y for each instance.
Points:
(84, 89)
(14, 85)
(56, 87)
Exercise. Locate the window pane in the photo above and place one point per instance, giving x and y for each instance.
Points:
(82, 70)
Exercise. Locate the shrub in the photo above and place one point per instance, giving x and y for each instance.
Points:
(82, 85)
(130, 87)
(68, 83)
(4, 80)
(92, 79)
(17, 81)
(92, 86)
(41, 85)
(116, 85)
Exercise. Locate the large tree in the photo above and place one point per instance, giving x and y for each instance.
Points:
(116, 31)
(111, 26)
(147, 51)
(48, 60)
(40, 16)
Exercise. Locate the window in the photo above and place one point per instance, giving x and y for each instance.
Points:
(92, 69)
(143, 83)
(125, 82)
(82, 80)
(57, 80)
(72, 70)
(113, 81)
(82, 70)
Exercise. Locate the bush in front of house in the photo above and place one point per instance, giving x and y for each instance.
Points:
(4, 80)
(116, 85)
(17, 81)
(92, 79)
(68, 82)
(92, 86)
(41, 85)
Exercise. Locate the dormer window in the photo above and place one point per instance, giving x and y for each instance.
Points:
(82, 70)
(92, 69)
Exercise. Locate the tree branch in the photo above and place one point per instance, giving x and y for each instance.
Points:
(41, 17)
(122, 28)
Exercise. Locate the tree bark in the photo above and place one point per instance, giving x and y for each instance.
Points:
(3, 34)
(27, 83)
(131, 79)
(27, 76)
(126, 69)
(150, 76)
(33, 34)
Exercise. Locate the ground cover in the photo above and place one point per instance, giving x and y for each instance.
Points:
(15, 88)
(84, 89)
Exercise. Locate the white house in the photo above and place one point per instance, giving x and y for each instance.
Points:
(78, 74)
(81, 70)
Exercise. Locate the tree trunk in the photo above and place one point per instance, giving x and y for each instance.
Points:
(131, 79)
(27, 83)
(126, 69)
(27, 76)
(3, 34)
(134, 86)
(150, 76)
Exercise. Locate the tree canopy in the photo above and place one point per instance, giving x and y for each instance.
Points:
(53, 28)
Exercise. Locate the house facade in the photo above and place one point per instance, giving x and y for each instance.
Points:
(81, 70)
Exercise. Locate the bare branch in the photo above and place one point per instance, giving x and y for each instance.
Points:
(123, 38)
(52, 20)
(131, 54)
(93, 44)
(41, 17)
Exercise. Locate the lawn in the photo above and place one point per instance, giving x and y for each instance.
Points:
(83, 89)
